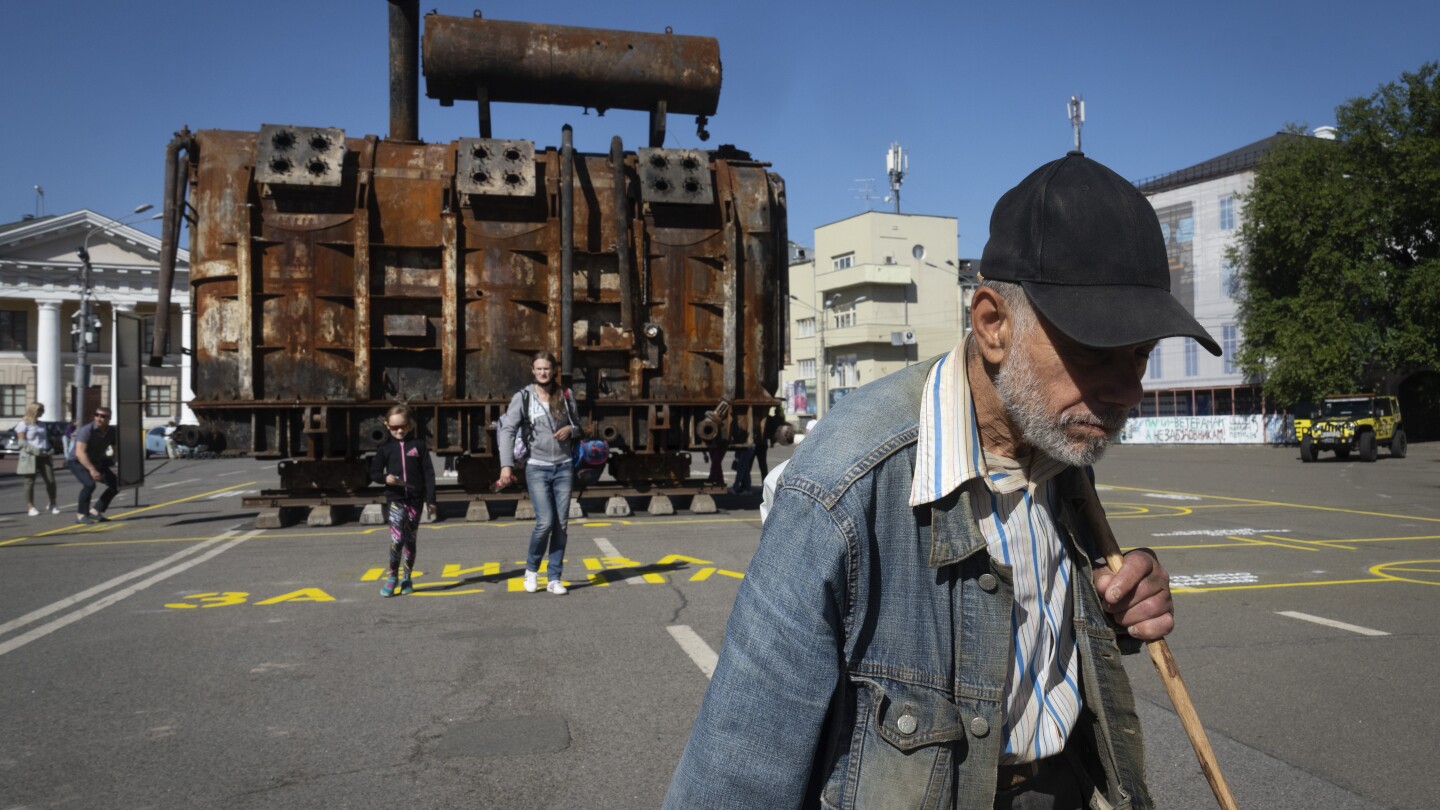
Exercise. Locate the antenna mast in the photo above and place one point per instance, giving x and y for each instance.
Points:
(1076, 110)
(897, 164)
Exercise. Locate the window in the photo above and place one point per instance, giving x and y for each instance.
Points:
(1186, 230)
(918, 252)
(844, 318)
(1157, 369)
(1227, 212)
(807, 368)
(157, 400)
(14, 331)
(805, 327)
(847, 260)
(1229, 345)
(1192, 358)
(846, 373)
(150, 336)
(1227, 278)
(12, 401)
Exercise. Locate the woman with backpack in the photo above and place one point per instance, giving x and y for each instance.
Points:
(402, 464)
(544, 415)
(36, 457)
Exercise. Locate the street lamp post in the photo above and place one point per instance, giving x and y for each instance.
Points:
(87, 323)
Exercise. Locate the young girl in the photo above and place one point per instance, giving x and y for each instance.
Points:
(36, 457)
(403, 465)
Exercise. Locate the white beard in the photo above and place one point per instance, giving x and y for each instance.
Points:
(1022, 394)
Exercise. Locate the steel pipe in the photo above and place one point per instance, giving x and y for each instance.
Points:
(534, 63)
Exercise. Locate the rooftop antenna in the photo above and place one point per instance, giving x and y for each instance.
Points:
(897, 163)
(865, 190)
(39, 201)
(1076, 110)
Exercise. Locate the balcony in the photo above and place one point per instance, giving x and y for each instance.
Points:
(862, 274)
(861, 333)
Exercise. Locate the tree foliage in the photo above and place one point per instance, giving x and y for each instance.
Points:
(1340, 248)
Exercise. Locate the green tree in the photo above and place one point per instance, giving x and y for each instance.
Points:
(1339, 247)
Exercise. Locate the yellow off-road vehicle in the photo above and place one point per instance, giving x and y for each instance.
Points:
(1353, 422)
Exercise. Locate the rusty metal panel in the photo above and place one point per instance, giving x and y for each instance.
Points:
(299, 156)
(489, 166)
(675, 176)
(396, 285)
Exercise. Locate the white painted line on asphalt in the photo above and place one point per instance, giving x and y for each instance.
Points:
(1171, 497)
(234, 472)
(1354, 628)
(171, 484)
(608, 549)
(695, 647)
(227, 542)
(1201, 580)
(68, 601)
(1218, 532)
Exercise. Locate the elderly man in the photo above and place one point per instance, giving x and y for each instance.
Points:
(927, 621)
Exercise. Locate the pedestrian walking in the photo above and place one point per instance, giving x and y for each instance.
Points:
(88, 457)
(36, 457)
(545, 418)
(924, 623)
(402, 463)
(171, 450)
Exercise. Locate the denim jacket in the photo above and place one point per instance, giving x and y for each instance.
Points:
(865, 659)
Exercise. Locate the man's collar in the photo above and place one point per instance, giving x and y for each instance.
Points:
(949, 450)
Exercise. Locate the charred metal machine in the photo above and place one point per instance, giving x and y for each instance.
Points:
(332, 276)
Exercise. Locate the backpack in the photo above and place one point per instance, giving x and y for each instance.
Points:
(591, 456)
(525, 434)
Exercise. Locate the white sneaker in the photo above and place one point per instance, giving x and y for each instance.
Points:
(557, 587)
(530, 583)
(54, 510)
(34, 512)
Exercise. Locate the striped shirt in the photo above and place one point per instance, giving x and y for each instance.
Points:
(1014, 502)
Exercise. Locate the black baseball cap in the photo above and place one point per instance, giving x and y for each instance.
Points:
(1086, 247)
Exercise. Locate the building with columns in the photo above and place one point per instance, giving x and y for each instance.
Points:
(40, 287)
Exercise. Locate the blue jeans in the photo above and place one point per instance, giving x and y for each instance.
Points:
(87, 487)
(550, 493)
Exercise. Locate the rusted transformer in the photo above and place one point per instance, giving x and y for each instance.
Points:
(332, 276)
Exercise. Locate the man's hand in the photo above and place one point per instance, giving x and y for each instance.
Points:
(1138, 595)
(563, 433)
(392, 480)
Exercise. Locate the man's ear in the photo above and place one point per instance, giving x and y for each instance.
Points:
(991, 321)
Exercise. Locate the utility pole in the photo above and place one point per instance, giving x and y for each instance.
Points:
(85, 328)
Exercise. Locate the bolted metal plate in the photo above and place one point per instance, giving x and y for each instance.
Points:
(300, 156)
(495, 167)
(675, 176)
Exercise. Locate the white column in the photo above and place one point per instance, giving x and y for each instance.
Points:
(48, 368)
(187, 417)
(117, 308)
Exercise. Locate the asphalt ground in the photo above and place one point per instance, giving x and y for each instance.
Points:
(175, 657)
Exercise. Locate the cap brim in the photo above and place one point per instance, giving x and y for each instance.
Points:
(1107, 316)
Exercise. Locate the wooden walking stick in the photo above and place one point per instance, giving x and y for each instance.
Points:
(1164, 664)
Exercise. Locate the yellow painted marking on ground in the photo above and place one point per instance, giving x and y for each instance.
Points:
(1324, 543)
(1258, 542)
(302, 595)
(420, 589)
(674, 558)
(72, 528)
(213, 599)
(489, 569)
(1281, 503)
(1385, 569)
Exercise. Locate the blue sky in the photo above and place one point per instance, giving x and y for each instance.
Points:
(975, 91)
